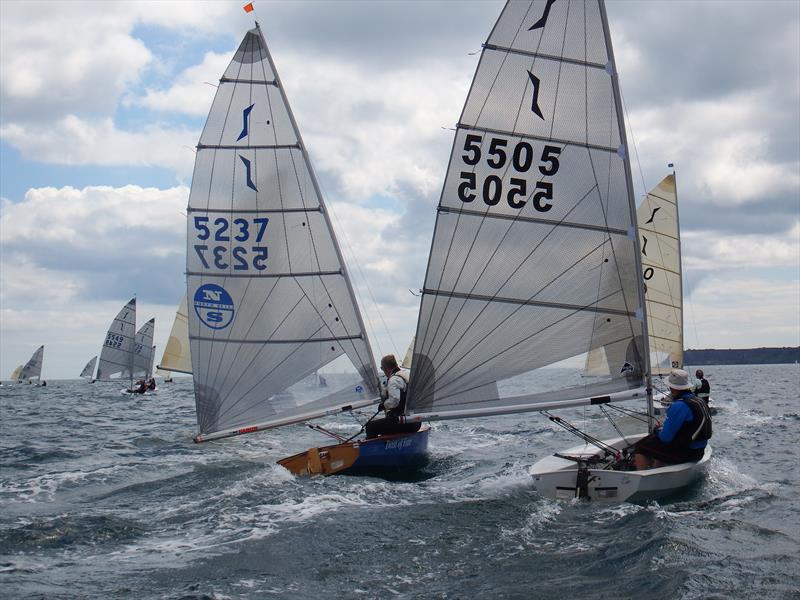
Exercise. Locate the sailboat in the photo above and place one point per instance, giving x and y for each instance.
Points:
(143, 350)
(88, 370)
(16, 374)
(270, 297)
(536, 258)
(33, 368)
(659, 231)
(176, 357)
(117, 356)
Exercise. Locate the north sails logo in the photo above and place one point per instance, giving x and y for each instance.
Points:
(214, 306)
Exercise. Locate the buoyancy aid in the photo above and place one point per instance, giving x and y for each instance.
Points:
(704, 391)
(401, 407)
(699, 428)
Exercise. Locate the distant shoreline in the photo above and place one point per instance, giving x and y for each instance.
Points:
(742, 356)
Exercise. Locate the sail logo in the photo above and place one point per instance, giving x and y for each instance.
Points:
(214, 306)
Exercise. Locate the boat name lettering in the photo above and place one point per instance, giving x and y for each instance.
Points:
(496, 158)
(397, 444)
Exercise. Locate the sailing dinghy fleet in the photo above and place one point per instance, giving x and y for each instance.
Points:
(538, 257)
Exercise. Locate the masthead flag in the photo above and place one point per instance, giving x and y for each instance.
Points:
(248, 7)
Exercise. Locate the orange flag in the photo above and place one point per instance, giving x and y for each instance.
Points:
(248, 7)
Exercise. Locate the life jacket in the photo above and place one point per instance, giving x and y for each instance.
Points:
(699, 428)
(400, 408)
(704, 391)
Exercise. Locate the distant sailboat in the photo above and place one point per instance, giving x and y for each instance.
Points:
(143, 350)
(33, 368)
(117, 357)
(176, 357)
(16, 374)
(88, 370)
(535, 256)
(271, 300)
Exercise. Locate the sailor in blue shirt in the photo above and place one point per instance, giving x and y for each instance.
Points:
(685, 432)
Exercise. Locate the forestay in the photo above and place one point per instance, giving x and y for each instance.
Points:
(659, 232)
(33, 368)
(143, 350)
(176, 355)
(270, 300)
(534, 257)
(116, 357)
(88, 370)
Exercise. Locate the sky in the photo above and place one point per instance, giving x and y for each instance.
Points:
(101, 104)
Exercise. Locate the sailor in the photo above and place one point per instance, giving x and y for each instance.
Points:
(141, 387)
(393, 401)
(702, 389)
(685, 432)
(151, 384)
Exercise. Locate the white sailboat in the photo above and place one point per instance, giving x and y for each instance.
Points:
(535, 256)
(116, 357)
(88, 370)
(271, 299)
(33, 368)
(176, 357)
(143, 350)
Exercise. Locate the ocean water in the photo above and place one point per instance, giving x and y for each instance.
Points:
(106, 496)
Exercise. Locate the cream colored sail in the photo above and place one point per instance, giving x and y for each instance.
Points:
(176, 357)
(16, 374)
(659, 230)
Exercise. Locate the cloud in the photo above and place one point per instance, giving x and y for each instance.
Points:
(76, 141)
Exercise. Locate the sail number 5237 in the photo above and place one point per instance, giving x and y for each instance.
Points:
(240, 257)
(497, 157)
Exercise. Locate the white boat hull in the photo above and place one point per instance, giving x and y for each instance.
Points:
(556, 477)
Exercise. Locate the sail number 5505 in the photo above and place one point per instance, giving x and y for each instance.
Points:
(240, 257)
(497, 156)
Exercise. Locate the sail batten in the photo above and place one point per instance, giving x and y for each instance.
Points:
(534, 258)
(270, 299)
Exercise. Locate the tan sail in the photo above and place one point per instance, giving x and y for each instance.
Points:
(658, 222)
(176, 353)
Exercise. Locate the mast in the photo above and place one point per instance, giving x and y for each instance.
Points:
(645, 350)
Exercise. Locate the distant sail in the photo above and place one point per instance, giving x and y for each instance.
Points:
(143, 350)
(271, 301)
(17, 373)
(659, 230)
(534, 258)
(116, 357)
(88, 370)
(177, 357)
(33, 368)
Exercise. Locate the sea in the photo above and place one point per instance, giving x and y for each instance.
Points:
(105, 495)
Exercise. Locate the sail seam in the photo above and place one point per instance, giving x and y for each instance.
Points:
(297, 341)
(254, 210)
(250, 81)
(475, 213)
(265, 275)
(541, 138)
(484, 298)
(254, 147)
(562, 59)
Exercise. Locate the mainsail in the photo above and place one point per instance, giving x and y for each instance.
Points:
(535, 257)
(176, 355)
(33, 368)
(271, 301)
(88, 370)
(659, 231)
(143, 350)
(116, 357)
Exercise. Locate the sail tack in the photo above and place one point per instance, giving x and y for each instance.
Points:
(116, 357)
(534, 258)
(33, 368)
(268, 293)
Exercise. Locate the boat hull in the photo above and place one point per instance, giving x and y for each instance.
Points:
(556, 477)
(389, 453)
